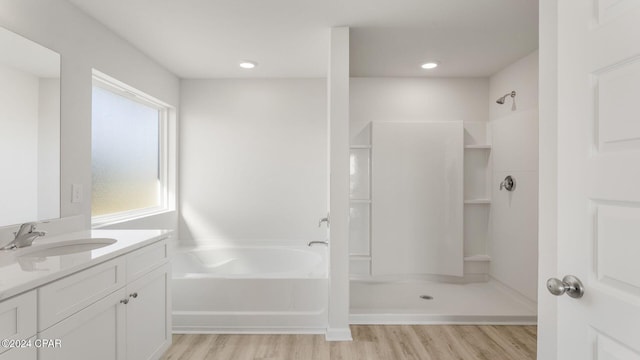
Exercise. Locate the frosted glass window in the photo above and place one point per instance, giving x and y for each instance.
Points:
(126, 154)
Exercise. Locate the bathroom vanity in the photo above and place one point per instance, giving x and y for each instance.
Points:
(61, 299)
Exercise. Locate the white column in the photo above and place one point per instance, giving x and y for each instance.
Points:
(338, 88)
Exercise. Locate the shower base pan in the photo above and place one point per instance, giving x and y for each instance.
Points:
(432, 302)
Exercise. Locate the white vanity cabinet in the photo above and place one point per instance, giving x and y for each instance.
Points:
(18, 321)
(116, 310)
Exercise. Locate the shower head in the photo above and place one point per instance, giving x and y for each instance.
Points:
(502, 99)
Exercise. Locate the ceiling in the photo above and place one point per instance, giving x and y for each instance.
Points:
(290, 38)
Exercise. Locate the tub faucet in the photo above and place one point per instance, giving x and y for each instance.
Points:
(311, 243)
(24, 236)
(325, 219)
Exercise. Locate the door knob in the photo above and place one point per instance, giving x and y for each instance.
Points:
(569, 284)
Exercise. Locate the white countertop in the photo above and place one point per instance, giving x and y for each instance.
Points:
(20, 272)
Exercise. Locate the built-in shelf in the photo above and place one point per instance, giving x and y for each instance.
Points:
(360, 146)
(478, 147)
(478, 202)
(477, 258)
(360, 201)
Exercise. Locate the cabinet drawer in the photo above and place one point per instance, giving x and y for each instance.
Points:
(145, 259)
(69, 295)
(18, 317)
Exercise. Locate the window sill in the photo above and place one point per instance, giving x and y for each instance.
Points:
(108, 220)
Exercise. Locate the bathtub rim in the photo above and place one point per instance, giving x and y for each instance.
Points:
(321, 251)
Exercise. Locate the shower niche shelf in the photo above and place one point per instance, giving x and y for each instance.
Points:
(477, 266)
(360, 146)
(477, 258)
(477, 147)
(360, 211)
(478, 178)
(360, 201)
(477, 202)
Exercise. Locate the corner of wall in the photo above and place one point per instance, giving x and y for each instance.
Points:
(514, 215)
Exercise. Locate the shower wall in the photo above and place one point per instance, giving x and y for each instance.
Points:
(513, 246)
(418, 100)
(417, 193)
(253, 161)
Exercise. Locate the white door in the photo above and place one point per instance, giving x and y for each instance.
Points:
(599, 177)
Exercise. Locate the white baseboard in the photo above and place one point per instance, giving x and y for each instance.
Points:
(426, 319)
(246, 330)
(338, 334)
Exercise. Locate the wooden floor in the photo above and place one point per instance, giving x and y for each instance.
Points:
(370, 342)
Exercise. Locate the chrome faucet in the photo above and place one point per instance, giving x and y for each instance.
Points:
(24, 236)
(326, 219)
(326, 242)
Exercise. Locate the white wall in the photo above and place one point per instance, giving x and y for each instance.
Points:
(253, 160)
(18, 145)
(84, 44)
(416, 100)
(513, 246)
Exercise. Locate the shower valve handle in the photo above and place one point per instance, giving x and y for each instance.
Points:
(509, 183)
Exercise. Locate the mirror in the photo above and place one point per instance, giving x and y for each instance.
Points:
(29, 131)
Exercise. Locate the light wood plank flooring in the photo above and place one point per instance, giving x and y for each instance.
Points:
(370, 342)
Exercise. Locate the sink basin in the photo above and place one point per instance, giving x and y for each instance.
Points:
(66, 247)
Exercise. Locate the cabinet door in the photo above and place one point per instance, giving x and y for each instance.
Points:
(29, 353)
(18, 318)
(148, 315)
(95, 333)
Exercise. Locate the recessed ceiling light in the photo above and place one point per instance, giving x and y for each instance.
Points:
(248, 64)
(430, 65)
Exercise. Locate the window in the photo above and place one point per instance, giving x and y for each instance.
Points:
(129, 152)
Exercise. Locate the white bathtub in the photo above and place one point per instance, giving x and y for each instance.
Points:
(250, 289)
